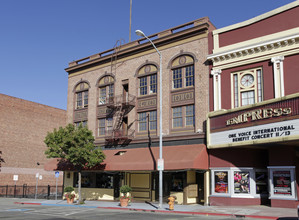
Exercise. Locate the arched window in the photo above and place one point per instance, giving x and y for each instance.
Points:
(182, 72)
(147, 80)
(81, 95)
(106, 89)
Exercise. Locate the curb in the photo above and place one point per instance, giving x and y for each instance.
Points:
(158, 211)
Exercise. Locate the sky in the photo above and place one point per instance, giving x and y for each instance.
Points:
(38, 38)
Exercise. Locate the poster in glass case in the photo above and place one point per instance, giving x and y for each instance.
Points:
(282, 182)
(221, 182)
(241, 182)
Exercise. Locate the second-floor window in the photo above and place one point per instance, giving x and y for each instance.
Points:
(105, 126)
(147, 120)
(247, 87)
(183, 116)
(84, 123)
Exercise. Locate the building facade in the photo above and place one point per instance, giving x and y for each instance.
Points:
(252, 130)
(116, 94)
(23, 128)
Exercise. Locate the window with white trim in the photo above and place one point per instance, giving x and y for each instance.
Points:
(247, 87)
(282, 182)
(233, 182)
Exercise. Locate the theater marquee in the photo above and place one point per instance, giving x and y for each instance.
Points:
(272, 122)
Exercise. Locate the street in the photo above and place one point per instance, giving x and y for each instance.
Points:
(11, 211)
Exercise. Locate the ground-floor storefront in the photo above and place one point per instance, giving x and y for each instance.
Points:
(185, 174)
(253, 176)
(187, 186)
(253, 154)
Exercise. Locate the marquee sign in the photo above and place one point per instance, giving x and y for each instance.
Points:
(270, 122)
(255, 133)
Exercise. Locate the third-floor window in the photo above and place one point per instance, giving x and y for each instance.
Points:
(81, 95)
(147, 80)
(106, 90)
(182, 72)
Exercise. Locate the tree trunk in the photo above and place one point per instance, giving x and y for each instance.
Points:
(79, 185)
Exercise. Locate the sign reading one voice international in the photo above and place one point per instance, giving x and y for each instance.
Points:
(259, 132)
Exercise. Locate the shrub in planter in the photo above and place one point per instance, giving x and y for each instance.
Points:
(69, 189)
(125, 199)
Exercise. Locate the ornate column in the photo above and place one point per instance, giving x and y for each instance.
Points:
(278, 76)
(216, 88)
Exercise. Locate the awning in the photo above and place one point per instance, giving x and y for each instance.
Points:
(145, 159)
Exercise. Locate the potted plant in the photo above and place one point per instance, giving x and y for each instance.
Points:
(125, 198)
(69, 194)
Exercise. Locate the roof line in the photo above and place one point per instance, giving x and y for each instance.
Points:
(257, 18)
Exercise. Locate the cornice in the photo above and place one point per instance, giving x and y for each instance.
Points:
(162, 38)
(254, 49)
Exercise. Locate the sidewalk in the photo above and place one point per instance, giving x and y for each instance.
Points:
(261, 212)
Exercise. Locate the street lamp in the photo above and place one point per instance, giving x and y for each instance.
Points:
(160, 161)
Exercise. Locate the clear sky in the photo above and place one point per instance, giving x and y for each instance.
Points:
(40, 37)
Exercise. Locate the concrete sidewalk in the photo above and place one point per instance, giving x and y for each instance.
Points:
(261, 212)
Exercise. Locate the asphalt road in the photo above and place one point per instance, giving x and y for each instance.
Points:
(11, 211)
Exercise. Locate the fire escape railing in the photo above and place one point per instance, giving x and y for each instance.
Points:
(120, 106)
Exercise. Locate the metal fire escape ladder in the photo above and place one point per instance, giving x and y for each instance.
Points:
(116, 48)
(119, 118)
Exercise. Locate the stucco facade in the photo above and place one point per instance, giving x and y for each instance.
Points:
(252, 132)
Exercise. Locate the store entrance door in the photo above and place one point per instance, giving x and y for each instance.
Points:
(200, 184)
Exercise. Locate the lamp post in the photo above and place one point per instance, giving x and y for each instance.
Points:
(160, 161)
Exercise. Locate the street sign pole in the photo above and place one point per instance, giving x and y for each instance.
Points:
(56, 175)
(37, 175)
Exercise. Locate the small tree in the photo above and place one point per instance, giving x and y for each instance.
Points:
(76, 146)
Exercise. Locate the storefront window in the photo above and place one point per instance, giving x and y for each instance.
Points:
(234, 182)
(104, 180)
(221, 181)
(94, 180)
(282, 181)
(241, 182)
(177, 182)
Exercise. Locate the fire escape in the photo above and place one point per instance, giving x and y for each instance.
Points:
(118, 108)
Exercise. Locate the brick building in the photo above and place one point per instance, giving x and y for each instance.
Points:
(23, 127)
(253, 131)
(116, 94)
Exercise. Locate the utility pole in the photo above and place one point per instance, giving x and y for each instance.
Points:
(130, 20)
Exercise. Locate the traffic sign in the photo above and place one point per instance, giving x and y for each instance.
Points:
(57, 174)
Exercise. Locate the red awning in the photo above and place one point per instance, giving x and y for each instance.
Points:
(175, 157)
(143, 159)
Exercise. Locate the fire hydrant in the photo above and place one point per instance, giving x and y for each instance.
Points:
(171, 202)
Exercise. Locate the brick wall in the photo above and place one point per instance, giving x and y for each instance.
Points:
(127, 69)
(23, 127)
